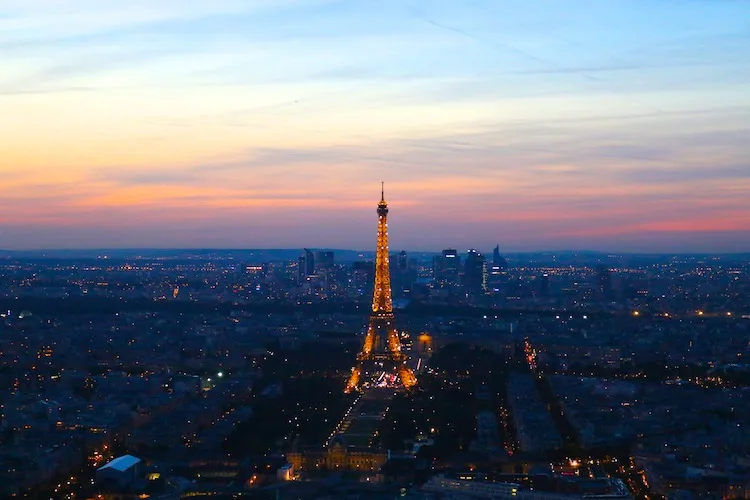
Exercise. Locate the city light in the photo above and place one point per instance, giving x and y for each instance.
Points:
(504, 372)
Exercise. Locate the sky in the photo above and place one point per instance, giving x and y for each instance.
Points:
(617, 125)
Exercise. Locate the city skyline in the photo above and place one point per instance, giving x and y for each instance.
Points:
(541, 126)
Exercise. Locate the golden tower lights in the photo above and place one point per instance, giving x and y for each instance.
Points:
(382, 343)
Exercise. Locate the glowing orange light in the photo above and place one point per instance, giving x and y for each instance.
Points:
(381, 317)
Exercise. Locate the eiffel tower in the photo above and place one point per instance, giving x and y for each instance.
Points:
(381, 351)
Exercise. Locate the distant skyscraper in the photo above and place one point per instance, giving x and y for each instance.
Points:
(363, 275)
(437, 267)
(604, 282)
(451, 257)
(475, 273)
(498, 260)
(306, 266)
(309, 262)
(324, 260)
(446, 267)
(403, 261)
(402, 276)
(497, 269)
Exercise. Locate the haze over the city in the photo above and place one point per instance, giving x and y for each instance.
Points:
(619, 126)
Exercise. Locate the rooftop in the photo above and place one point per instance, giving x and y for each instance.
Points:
(122, 463)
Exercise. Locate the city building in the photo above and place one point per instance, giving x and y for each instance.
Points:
(604, 287)
(285, 472)
(475, 273)
(324, 261)
(121, 472)
(403, 261)
(306, 266)
(469, 486)
(498, 260)
(339, 457)
(363, 275)
(447, 266)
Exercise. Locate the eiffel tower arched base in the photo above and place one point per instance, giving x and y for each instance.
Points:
(381, 373)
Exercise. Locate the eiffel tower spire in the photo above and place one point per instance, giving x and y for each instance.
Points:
(382, 343)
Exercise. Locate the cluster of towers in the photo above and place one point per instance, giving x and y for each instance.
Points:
(474, 274)
(314, 264)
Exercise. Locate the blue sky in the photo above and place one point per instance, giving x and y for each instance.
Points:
(612, 125)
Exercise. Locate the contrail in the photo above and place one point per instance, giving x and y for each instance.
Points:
(504, 46)
(498, 45)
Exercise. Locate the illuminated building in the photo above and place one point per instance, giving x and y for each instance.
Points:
(425, 344)
(475, 273)
(382, 346)
(285, 473)
(339, 457)
(475, 486)
(122, 471)
(497, 270)
(446, 267)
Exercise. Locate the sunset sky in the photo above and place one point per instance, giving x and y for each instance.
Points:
(614, 125)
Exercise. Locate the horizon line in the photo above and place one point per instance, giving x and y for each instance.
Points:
(302, 248)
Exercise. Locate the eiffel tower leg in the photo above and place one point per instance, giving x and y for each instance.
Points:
(351, 385)
(407, 377)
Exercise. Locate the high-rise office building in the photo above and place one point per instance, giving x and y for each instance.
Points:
(324, 260)
(403, 261)
(447, 267)
(475, 273)
(604, 287)
(363, 275)
(402, 274)
(306, 266)
(497, 270)
(498, 260)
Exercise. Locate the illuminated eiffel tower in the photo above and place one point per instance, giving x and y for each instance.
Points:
(382, 348)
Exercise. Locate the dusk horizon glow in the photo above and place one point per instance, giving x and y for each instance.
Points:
(615, 126)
